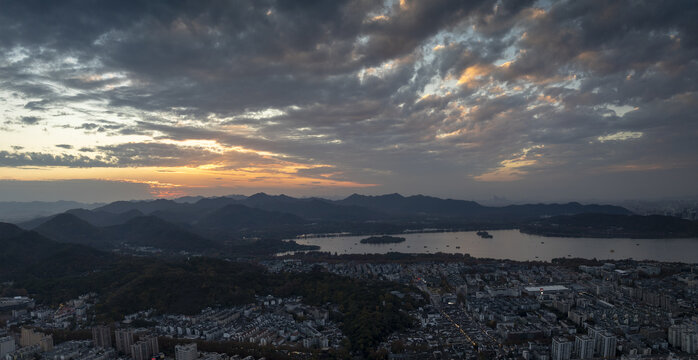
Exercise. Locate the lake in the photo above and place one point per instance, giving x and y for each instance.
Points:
(511, 244)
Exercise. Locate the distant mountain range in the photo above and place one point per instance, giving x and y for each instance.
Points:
(198, 224)
(420, 205)
(72, 241)
(15, 211)
(358, 208)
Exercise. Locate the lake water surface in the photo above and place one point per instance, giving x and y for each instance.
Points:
(511, 244)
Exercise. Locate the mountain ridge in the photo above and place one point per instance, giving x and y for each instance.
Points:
(352, 209)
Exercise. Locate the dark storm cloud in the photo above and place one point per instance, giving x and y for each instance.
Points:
(37, 105)
(29, 120)
(172, 155)
(418, 20)
(132, 155)
(100, 126)
(369, 87)
(155, 154)
(16, 159)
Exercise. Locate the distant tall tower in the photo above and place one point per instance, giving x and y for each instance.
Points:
(462, 293)
(101, 336)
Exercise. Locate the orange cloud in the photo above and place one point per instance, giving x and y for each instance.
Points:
(511, 169)
(470, 76)
(180, 180)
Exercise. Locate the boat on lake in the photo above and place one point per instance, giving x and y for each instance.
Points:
(484, 234)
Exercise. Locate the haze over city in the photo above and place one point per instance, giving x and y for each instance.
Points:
(526, 100)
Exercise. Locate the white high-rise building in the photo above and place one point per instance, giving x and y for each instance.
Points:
(608, 345)
(595, 335)
(584, 347)
(101, 336)
(561, 349)
(30, 337)
(7, 346)
(124, 340)
(689, 342)
(145, 348)
(674, 335)
(186, 352)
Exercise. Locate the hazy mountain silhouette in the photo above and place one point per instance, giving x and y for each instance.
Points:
(355, 208)
(144, 206)
(68, 228)
(16, 211)
(414, 205)
(103, 218)
(311, 208)
(420, 205)
(94, 217)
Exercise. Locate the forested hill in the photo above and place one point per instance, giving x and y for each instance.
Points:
(27, 253)
(613, 226)
(52, 273)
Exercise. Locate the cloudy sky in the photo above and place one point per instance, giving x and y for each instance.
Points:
(527, 100)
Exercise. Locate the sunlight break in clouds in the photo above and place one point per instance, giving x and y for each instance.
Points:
(621, 136)
(512, 169)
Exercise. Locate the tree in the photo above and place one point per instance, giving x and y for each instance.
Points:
(397, 347)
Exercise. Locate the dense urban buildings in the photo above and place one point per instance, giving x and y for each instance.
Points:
(487, 308)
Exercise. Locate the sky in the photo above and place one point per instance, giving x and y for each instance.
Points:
(523, 100)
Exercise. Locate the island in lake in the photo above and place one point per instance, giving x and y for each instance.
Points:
(382, 240)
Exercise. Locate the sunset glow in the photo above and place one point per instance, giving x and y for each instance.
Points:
(350, 97)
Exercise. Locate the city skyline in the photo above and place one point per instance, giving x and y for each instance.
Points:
(524, 100)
